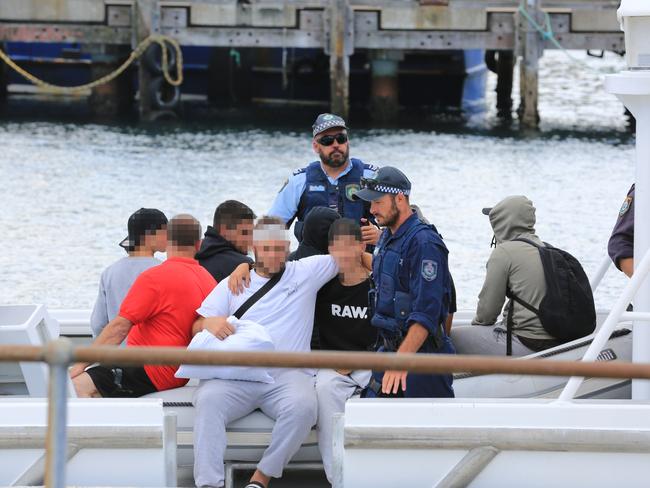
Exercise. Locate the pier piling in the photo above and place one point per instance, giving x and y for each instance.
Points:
(4, 81)
(340, 48)
(147, 22)
(115, 98)
(384, 98)
(531, 48)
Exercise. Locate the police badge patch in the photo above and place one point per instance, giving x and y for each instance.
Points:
(625, 207)
(350, 190)
(429, 269)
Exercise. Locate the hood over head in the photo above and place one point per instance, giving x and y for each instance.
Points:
(314, 232)
(512, 217)
(213, 243)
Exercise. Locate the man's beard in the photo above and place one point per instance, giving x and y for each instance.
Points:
(335, 163)
(393, 216)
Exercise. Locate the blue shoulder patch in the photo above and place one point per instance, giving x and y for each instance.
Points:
(298, 171)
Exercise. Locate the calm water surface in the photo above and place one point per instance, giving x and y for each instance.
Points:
(68, 188)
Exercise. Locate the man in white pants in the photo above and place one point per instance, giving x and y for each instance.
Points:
(287, 311)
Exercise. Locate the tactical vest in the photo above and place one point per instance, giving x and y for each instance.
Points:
(319, 192)
(391, 298)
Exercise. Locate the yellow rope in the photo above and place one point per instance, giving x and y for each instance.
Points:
(137, 52)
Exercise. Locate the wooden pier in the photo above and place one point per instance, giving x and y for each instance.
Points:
(383, 28)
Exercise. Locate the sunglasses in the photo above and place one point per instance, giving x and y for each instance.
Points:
(329, 140)
(369, 183)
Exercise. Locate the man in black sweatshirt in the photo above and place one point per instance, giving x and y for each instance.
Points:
(227, 241)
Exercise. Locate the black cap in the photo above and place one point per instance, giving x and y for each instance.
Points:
(487, 210)
(327, 121)
(140, 222)
(387, 181)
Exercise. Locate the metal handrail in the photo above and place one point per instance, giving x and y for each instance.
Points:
(597, 278)
(59, 354)
(416, 363)
(604, 332)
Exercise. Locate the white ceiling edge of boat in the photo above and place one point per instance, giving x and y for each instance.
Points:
(535, 443)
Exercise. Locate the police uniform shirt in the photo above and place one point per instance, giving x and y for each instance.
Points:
(424, 274)
(287, 201)
(621, 242)
(341, 317)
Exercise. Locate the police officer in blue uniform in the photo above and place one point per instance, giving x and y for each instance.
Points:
(412, 287)
(621, 243)
(329, 182)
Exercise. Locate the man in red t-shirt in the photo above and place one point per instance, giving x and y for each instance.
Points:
(159, 310)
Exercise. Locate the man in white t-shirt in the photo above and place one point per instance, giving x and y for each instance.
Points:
(287, 311)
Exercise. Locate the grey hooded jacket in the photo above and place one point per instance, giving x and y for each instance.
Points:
(516, 266)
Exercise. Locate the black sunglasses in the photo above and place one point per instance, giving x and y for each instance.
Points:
(369, 183)
(341, 138)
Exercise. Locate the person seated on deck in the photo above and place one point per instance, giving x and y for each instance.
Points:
(343, 324)
(287, 311)
(147, 235)
(159, 310)
(515, 266)
(228, 240)
(621, 243)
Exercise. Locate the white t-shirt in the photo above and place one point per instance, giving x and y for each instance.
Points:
(287, 310)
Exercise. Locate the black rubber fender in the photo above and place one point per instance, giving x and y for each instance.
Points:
(164, 96)
(152, 58)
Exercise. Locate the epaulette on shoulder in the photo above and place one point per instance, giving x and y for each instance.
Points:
(371, 167)
(298, 171)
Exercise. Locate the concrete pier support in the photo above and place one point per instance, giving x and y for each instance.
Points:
(113, 99)
(531, 48)
(340, 48)
(384, 96)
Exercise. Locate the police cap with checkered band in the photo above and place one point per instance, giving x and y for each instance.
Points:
(327, 121)
(387, 181)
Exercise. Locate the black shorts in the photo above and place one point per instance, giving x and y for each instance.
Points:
(120, 381)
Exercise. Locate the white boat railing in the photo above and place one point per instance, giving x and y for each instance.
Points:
(615, 315)
(597, 278)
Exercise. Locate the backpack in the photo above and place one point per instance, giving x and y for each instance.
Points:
(567, 311)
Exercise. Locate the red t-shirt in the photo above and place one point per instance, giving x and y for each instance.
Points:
(162, 305)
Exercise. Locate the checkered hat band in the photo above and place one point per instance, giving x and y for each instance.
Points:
(390, 189)
(327, 125)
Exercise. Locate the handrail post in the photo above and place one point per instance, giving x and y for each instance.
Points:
(605, 331)
(58, 355)
(597, 278)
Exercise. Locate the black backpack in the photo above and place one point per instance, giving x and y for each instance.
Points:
(567, 311)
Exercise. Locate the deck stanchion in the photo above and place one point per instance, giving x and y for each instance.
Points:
(531, 49)
(340, 48)
(59, 355)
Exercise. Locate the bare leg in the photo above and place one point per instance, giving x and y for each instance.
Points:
(85, 387)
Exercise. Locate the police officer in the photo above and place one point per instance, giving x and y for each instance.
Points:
(330, 182)
(621, 242)
(412, 287)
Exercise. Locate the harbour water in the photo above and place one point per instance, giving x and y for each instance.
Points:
(68, 187)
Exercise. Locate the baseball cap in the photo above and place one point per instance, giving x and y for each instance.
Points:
(487, 210)
(327, 121)
(387, 181)
(140, 222)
